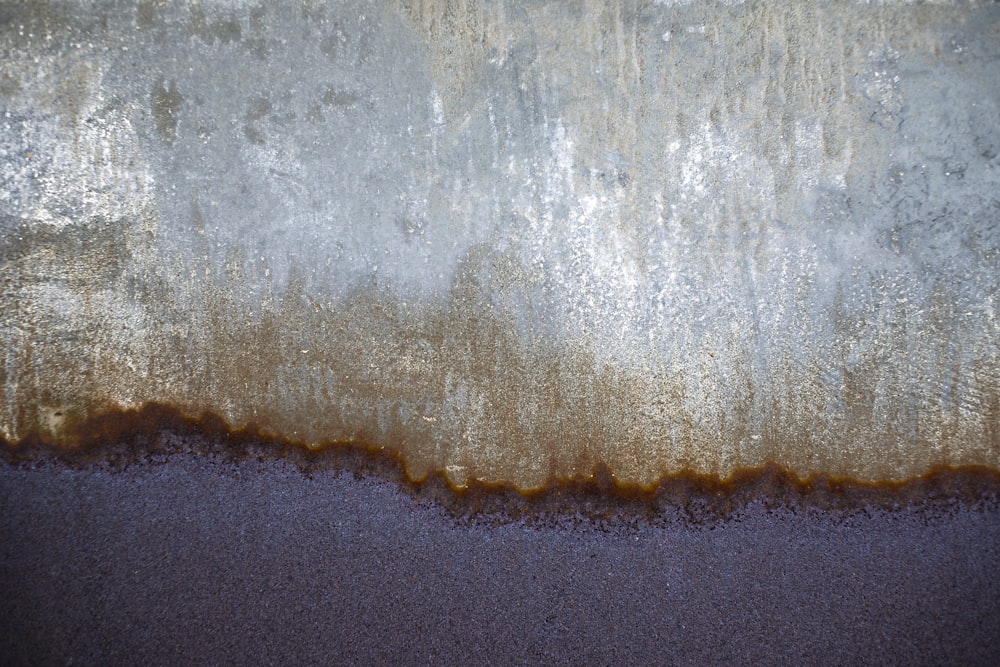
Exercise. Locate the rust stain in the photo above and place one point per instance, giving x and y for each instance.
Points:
(121, 438)
(452, 389)
(125, 286)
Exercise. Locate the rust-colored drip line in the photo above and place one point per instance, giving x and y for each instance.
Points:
(123, 438)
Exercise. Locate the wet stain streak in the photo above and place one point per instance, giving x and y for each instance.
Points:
(123, 439)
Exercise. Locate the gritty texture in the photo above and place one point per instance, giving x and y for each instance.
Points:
(512, 240)
(190, 560)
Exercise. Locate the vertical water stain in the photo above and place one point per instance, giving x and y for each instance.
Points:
(166, 104)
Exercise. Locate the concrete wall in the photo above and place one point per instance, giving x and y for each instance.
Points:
(511, 240)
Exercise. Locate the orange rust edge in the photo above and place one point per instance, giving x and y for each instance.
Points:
(126, 437)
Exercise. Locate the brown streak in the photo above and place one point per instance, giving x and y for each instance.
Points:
(121, 438)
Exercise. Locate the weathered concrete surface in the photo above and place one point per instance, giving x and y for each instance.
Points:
(511, 240)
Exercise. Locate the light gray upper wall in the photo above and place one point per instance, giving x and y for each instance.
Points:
(780, 220)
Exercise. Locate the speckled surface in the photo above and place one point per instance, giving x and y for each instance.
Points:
(194, 560)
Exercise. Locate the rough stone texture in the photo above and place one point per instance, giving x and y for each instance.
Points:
(512, 239)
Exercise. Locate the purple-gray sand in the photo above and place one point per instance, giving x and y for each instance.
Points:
(197, 560)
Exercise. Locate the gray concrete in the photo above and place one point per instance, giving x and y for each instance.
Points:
(512, 239)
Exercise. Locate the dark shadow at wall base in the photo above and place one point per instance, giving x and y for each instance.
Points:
(199, 559)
